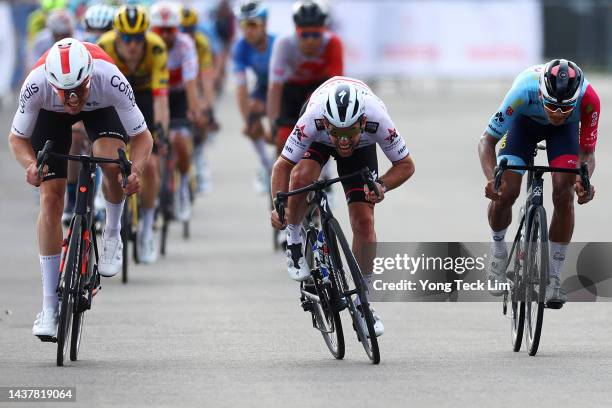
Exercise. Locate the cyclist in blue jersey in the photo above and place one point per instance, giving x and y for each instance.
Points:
(555, 103)
(253, 52)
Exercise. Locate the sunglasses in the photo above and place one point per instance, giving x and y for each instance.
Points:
(73, 96)
(165, 30)
(250, 24)
(349, 133)
(553, 108)
(128, 38)
(314, 34)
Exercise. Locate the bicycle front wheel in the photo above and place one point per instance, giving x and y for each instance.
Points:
(126, 222)
(536, 279)
(67, 285)
(517, 305)
(353, 288)
(326, 315)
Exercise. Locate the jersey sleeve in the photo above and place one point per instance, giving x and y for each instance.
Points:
(239, 58)
(302, 136)
(124, 103)
(30, 102)
(334, 57)
(159, 73)
(190, 60)
(205, 58)
(279, 68)
(513, 102)
(589, 119)
(391, 142)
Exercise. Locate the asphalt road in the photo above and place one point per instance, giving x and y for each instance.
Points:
(217, 323)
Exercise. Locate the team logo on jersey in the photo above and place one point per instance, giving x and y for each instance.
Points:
(499, 117)
(371, 127)
(299, 132)
(392, 136)
(28, 92)
(123, 87)
(509, 111)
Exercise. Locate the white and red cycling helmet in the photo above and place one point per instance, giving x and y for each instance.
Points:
(165, 14)
(68, 64)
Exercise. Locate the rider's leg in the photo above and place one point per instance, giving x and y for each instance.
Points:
(361, 215)
(182, 149)
(148, 194)
(303, 174)
(78, 141)
(111, 187)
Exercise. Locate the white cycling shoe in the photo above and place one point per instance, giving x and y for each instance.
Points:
(555, 296)
(148, 252)
(496, 274)
(45, 325)
(379, 328)
(297, 268)
(111, 258)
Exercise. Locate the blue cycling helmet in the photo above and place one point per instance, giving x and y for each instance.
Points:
(252, 9)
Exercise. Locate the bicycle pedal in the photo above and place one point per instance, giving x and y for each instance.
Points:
(307, 305)
(47, 339)
(554, 305)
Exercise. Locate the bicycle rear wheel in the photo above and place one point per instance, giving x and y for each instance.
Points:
(536, 279)
(352, 286)
(325, 316)
(67, 286)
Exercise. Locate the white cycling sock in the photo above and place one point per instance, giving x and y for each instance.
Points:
(49, 271)
(184, 188)
(260, 148)
(294, 234)
(556, 255)
(113, 219)
(148, 216)
(499, 244)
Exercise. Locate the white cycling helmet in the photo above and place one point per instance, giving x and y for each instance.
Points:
(345, 105)
(68, 64)
(60, 22)
(165, 14)
(99, 17)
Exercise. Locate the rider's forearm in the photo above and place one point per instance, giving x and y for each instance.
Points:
(243, 101)
(191, 92)
(208, 86)
(161, 112)
(22, 150)
(140, 149)
(281, 172)
(486, 153)
(398, 174)
(589, 158)
(274, 100)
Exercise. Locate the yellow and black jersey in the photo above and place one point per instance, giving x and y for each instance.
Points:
(152, 72)
(205, 58)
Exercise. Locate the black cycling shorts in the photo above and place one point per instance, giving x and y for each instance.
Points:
(362, 157)
(178, 109)
(57, 126)
(144, 100)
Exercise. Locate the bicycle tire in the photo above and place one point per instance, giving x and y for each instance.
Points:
(517, 305)
(537, 270)
(326, 316)
(66, 285)
(134, 228)
(125, 233)
(366, 336)
(79, 314)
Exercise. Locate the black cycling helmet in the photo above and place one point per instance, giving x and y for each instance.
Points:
(308, 13)
(560, 82)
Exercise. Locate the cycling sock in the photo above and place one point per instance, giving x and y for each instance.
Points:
(49, 271)
(148, 216)
(184, 187)
(294, 234)
(499, 245)
(113, 219)
(260, 148)
(70, 196)
(557, 258)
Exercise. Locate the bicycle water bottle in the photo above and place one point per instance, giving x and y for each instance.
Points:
(321, 258)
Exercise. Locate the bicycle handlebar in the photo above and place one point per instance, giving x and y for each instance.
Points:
(583, 172)
(47, 151)
(281, 197)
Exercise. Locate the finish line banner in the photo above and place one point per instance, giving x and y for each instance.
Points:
(456, 272)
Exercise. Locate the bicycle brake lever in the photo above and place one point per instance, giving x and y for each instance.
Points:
(366, 174)
(499, 171)
(279, 206)
(41, 157)
(584, 178)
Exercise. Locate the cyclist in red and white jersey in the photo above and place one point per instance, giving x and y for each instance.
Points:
(74, 82)
(300, 62)
(185, 105)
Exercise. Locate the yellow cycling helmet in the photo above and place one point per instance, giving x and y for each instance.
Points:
(131, 20)
(189, 17)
